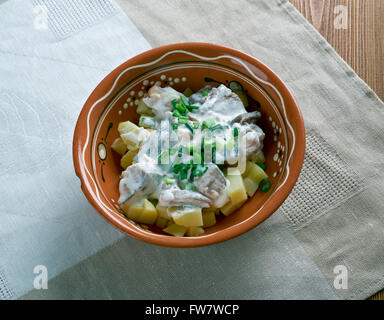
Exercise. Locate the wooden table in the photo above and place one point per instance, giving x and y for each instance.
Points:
(361, 44)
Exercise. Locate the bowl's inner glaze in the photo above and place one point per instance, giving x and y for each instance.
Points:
(106, 168)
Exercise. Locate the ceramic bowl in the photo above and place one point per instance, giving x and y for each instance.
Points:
(192, 65)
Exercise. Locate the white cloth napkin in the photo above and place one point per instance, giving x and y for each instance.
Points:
(46, 74)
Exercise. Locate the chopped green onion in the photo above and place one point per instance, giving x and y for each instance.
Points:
(177, 168)
(176, 114)
(182, 121)
(172, 151)
(184, 172)
(162, 156)
(204, 92)
(235, 131)
(184, 101)
(196, 125)
(261, 165)
(169, 181)
(189, 127)
(190, 186)
(182, 109)
(265, 185)
(216, 127)
(196, 158)
(175, 126)
(190, 108)
(174, 103)
(147, 122)
(208, 123)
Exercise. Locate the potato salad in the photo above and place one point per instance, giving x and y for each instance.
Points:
(191, 157)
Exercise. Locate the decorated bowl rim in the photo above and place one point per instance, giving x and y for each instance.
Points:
(294, 161)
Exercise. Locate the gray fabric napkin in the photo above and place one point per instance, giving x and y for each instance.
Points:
(46, 74)
(334, 216)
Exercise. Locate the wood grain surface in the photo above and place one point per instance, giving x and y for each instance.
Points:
(361, 44)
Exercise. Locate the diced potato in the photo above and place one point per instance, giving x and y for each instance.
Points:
(134, 139)
(163, 212)
(143, 109)
(194, 231)
(188, 92)
(132, 135)
(258, 157)
(254, 172)
(127, 159)
(161, 222)
(176, 230)
(236, 191)
(127, 126)
(134, 210)
(188, 217)
(119, 146)
(149, 214)
(250, 186)
(209, 217)
(230, 207)
(141, 211)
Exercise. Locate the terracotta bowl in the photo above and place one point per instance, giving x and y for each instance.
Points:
(185, 65)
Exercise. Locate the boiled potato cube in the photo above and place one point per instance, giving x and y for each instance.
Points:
(188, 217)
(254, 172)
(127, 126)
(143, 109)
(119, 146)
(236, 192)
(127, 159)
(163, 212)
(250, 186)
(149, 214)
(133, 211)
(176, 230)
(161, 222)
(194, 231)
(134, 139)
(230, 207)
(141, 211)
(258, 157)
(209, 217)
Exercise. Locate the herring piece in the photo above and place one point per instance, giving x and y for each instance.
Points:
(221, 104)
(139, 180)
(254, 137)
(214, 185)
(247, 117)
(173, 196)
(159, 100)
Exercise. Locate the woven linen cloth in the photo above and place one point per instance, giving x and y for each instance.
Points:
(46, 74)
(334, 216)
